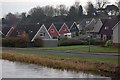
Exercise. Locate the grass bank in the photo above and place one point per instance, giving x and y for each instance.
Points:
(93, 49)
(63, 62)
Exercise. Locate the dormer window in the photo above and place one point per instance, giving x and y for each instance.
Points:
(52, 30)
(106, 28)
(65, 30)
(30, 31)
(42, 34)
(87, 22)
(74, 27)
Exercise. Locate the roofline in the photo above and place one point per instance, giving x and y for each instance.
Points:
(39, 30)
(66, 26)
(115, 25)
(9, 31)
(47, 31)
(54, 27)
(73, 24)
(90, 22)
(86, 18)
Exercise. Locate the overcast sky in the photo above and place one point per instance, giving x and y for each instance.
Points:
(25, 5)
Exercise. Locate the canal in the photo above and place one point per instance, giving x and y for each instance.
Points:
(22, 70)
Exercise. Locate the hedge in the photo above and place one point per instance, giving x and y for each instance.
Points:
(14, 42)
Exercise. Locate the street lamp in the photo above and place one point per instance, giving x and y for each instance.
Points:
(89, 42)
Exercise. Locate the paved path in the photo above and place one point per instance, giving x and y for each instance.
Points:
(38, 51)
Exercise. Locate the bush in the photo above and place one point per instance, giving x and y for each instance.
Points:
(69, 42)
(109, 43)
(19, 42)
(100, 42)
(14, 42)
(8, 42)
(38, 42)
(94, 41)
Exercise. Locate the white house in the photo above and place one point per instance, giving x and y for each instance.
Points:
(116, 34)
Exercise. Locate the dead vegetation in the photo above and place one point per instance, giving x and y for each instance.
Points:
(67, 64)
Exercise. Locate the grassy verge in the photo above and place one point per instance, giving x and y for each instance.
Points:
(65, 62)
(94, 49)
(65, 56)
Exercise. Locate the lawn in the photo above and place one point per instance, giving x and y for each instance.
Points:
(93, 49)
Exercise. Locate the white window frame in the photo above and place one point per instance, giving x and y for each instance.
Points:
(42, 34)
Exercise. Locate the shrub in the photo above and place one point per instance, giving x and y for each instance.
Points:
(14, 42)
(100, 42)
(69, 42)
(109, 43)
(8, 42)
(38, 42)
(19, 42)
(94, 41)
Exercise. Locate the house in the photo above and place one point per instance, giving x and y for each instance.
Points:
(74, 29)
(116, 35)
(64, 29)
(89, 27)
(53, 31)
(10, 31)
(35, 31)
(42, 33)
(94, 28)
(84, 23)
(30, 29)
(5, 30)
(106, 29)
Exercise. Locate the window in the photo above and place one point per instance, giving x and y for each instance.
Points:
(54, 37)
(87, 22)
(52, 30)
(65, 29)
(106, 28)
(42, 34)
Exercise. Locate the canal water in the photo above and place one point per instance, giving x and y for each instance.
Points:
(22, 70)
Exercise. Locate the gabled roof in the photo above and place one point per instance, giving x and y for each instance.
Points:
(109, 23)
(10, 31)
(89, 27)
(74, 27)
(85, 21)
(116, 25)
(31, 29)
(55, 33)
(5, 30)
(42, 28)
(64, 26)
(98, 26)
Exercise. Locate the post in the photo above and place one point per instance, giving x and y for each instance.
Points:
(89, 43)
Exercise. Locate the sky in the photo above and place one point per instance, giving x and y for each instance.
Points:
(14, 6)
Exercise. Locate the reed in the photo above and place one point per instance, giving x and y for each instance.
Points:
(58, 63)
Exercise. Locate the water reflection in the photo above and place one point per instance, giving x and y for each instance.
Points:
(22, 70)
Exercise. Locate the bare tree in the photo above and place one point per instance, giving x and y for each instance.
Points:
(49, 11)
(90, 9)
(101, 3)
(76, 5)
(62, 9)
(118, 5)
